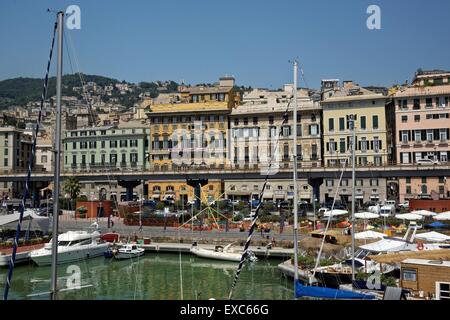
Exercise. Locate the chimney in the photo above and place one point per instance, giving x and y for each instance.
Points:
(226, 81)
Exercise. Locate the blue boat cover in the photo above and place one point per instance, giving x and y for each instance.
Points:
(328, 293)
(437, 224)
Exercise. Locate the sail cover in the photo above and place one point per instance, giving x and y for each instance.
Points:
(328, 293)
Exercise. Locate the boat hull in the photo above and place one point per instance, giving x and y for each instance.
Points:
(128, 255)
(210, 254)
(21, 257)
(43, 257)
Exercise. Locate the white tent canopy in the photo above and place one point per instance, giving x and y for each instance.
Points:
(369, 235)
(43, 222)
(335, 213)
(366, 215)
(444, 216)
(424, 213)
(433, 236)
(409, 216)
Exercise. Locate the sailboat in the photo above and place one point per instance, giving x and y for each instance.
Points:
(302, 290)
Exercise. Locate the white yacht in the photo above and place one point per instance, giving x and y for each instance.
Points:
(128, 251)
(220, 253)
(72, 246)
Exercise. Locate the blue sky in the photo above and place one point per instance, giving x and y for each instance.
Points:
(200, 40)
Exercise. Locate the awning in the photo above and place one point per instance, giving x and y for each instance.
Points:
(156, 196)
(433, 237)
(43, 222)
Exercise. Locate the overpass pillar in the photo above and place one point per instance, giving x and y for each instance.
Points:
(197, 184)
(315, 183)
(129, 186)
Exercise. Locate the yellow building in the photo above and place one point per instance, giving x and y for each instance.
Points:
(372, 142)
(189, 130)
(178, 190)
(193, 130)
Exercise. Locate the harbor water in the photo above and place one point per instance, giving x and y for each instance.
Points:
(154, 276)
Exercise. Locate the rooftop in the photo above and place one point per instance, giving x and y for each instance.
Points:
(437, 263)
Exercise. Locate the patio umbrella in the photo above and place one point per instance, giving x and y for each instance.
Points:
(366, 215)
(433, 236)
(444, 216)
(409, 216)
(424, 213)
(369, 235)
(335, 213)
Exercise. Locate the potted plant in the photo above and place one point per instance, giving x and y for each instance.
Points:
(82, 212)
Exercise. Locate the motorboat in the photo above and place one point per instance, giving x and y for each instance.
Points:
(72, 246)
(128, 251)
(220, 253)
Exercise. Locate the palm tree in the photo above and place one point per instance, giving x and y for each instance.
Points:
(72, 187)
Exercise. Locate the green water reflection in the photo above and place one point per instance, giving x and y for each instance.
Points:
(155, 277)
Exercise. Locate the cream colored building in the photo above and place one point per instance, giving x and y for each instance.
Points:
(373, 147)
(262, 130)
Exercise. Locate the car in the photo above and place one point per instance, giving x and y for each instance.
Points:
(426, 162)
(404, 205)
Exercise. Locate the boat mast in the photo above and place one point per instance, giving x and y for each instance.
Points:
(57, 158)
(295, 178)
(352, 119)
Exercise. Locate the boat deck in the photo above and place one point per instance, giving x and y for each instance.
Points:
(287, 268)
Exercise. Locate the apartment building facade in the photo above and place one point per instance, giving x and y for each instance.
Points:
(15, 152)
(422, 120)
(373, 145)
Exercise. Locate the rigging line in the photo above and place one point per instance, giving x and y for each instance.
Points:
(83, 82)
(92, 115)
(30, 168)
(255, 217)
(329, 220)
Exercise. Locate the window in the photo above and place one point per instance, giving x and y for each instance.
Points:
(404, 104)
(405, 136)
(363, 145)
(417, 118)
(272, 131)
(408, 180)
(331, 124)
(442, 290)
(92, 159)
(313, 130)
(299, 130)
(443, 135)
(113, 143)
(74, 145)
(342, 145)
(113, 158)
(408, 189)
(103, 144)
(376, 144)
(417, 136)
(424, 179)
(341, 124)
(332, 146)
(416, 105)
(270, 119)
(428, 102)
(286, 131)
(133, 157)
(363, 123)
(409, 275)
(43, 159)
(374, 182)
(255, 120)
(330, 183)
(375, 122)
(430, 136)
(5, 162)
(424, 189)
(286, 151)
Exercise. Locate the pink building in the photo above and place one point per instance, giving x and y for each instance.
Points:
(422, 118)
(422, 122)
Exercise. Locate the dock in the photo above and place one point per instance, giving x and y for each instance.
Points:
(259, 251)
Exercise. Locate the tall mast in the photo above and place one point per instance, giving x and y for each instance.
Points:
(295, 179)
(57, 158)
(353, 128)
